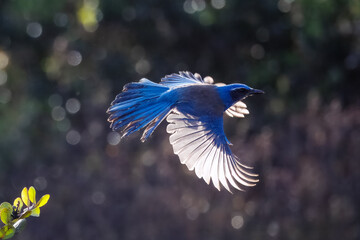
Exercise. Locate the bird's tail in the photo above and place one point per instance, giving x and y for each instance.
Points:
(139, 105)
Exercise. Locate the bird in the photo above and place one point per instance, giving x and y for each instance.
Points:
(194, 108)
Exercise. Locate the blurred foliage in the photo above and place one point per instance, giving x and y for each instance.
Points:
(62, 62)
(14, 216)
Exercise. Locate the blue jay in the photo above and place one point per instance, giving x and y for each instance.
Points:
(194, 109)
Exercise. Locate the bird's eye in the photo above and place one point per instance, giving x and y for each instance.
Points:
(238, 93)
(241, 90)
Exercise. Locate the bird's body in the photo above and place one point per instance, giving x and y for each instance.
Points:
(190, 99)
(194, 110)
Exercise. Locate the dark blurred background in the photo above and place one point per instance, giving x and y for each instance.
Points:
(62, 62)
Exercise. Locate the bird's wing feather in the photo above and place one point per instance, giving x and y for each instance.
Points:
(202, 146)
(183, 78)
(239, 110)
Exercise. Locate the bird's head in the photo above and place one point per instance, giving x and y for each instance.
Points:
(233, 93)
(241, 91)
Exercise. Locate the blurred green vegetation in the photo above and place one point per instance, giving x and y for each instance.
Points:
(62, 63)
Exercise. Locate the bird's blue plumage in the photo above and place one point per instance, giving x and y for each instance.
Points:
(194, 110)
(181, 79)
(139, 106)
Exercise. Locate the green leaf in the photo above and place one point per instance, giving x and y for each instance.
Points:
(9, 233)
(32, 194)
(25, 196)
(43, 200)
(5, 212)
(5, 205)
(35, 212)
(3, 231)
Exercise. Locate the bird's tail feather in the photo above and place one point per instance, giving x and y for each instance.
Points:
(139, 106)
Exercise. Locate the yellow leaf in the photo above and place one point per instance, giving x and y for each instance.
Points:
(5, 212)
(5, 216)
(43, 200)
(35, 212)
(25, 196)
(32, 195)
(18, 204)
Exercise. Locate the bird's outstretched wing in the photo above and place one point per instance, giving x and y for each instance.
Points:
(202, 146)
(183, 78)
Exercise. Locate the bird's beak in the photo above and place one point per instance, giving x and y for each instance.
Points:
(256, 91)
